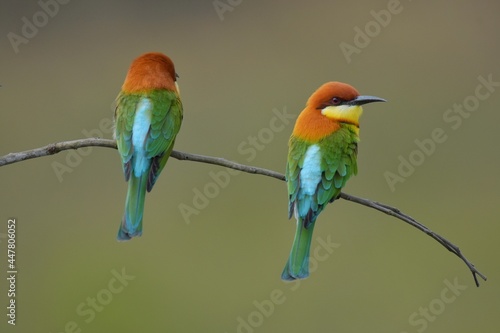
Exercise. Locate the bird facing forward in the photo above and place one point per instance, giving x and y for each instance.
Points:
(321, 158)
(147, 118)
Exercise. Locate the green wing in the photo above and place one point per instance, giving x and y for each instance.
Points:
(124, 121)
(296, 152)
(165, 124)
(338, 164)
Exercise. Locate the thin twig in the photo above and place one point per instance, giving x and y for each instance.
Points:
(411, 221)
(226, 163)
(55, 148)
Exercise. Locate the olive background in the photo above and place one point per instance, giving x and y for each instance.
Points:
(246, 70)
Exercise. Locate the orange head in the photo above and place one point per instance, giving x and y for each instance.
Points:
(332, 104)
(150, 71)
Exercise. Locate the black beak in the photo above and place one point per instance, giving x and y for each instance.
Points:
(360, 100)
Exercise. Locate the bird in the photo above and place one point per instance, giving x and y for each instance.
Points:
(322, 153)
(147, 118)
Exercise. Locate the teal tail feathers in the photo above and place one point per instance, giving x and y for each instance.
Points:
(131, 225)
(297, 266)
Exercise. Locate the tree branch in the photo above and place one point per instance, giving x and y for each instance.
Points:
(55, 148)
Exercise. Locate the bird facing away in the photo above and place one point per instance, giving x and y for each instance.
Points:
(147, 117)
(321, 158)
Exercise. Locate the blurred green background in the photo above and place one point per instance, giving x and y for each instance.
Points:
(221, 271)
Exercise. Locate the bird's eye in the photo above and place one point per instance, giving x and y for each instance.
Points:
(336, 101)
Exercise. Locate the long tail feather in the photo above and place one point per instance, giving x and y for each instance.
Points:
(131, 225)
(297, 266)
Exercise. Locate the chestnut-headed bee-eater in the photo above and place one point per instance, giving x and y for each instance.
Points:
(148, 117)
(321, 158)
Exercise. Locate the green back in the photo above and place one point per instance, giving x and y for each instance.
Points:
(165, 124)
(338, 164)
